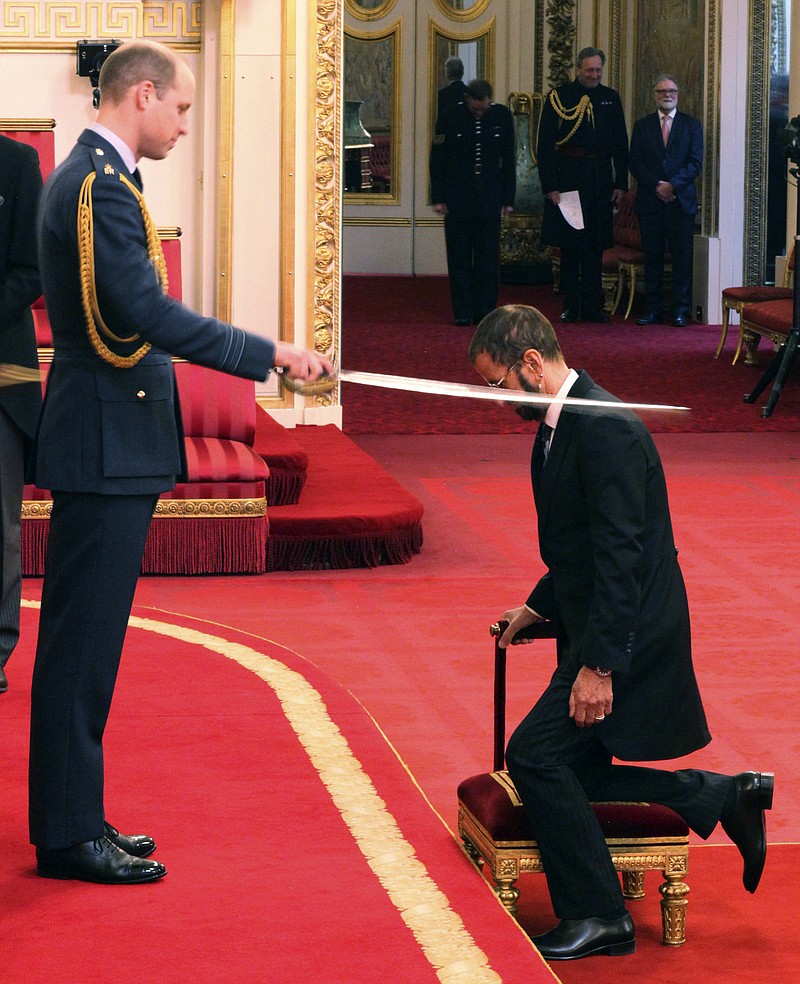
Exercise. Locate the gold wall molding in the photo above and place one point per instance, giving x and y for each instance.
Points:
(755, 176)
(325, 153)
(561, 42)
(379, 223)
(29, 125)
(44, 25)
(369, 13)
(225, 95)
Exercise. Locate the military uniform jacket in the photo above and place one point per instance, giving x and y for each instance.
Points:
(105, 429)
(593, 161)
(20, 187)
(460, 142)
(613, 587)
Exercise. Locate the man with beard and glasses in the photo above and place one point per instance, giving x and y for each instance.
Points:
(615, 593)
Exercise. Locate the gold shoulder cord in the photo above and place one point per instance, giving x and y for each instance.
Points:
(576, 114)
(91, 308)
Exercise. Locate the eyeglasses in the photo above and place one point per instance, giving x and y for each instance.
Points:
(666, 92)
(499, 383)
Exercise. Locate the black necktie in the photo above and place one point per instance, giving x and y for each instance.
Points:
(137, 179)
(547, 437)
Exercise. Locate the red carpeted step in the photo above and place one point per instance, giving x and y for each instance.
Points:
(286, 459)
(352, 513)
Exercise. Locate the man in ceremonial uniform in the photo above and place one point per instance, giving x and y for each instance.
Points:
(583, 147)
(666, 157)
(624, 686)
(20, 186)
(110, 440)
(473, 184)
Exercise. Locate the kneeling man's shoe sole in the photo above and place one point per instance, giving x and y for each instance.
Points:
(572, 939)
(98, 861)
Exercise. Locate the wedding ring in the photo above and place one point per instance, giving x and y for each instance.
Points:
(600, 717)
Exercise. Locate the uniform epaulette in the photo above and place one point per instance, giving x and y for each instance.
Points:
(91, 309)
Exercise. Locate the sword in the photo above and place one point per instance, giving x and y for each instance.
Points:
(441, 387)
(11, 375)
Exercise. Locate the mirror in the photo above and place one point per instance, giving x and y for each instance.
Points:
(371, 119)
(463, 10)
(476, 51)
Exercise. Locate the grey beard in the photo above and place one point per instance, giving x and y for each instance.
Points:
(529, 411)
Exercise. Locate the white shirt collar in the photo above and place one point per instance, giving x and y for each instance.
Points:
(124, 151)
(554, 410)
(670, 115)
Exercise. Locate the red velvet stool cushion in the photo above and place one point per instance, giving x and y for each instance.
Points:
(493, 801)
(756, 294)
(771, 315)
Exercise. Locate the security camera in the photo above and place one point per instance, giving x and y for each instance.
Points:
(91, 55)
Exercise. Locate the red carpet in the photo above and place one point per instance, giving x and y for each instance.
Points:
(298, 848)
(402, 326)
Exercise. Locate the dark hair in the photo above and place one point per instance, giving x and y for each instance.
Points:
(479, 89)
(507, 332)
(133, 63)
(454, 68)
(590, 53)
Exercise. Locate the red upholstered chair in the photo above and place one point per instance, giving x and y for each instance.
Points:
(640, 836)
(216, 521)
(737, 298)
(765, 319)
(380, 162)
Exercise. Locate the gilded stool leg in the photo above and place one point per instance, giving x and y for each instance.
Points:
(633, 884)
(618, 294)
(632, 290)
(751, 340)
(673, 906)
(726, 314)
(507, 892)
(473, 853)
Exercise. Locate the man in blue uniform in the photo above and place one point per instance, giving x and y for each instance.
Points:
(583, 147)
(110, 440)
(473, 184)
(20, 186)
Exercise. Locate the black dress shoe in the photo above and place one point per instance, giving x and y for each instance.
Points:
(3, 681)
(569, 316)
(572, 939)
(137, 845)
(650, 318)
(746, 824)
(97, 861)
(680, 321)
(596, 317)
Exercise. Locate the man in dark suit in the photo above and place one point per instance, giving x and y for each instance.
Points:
(473, 184)
(110, 440)
(20, 186)
(583, 147)
(624, 685)
(665, 158)
(452, 93)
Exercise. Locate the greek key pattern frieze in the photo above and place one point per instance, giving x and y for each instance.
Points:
(44, 23)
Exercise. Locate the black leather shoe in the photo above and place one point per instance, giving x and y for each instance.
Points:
(746, 824)
(137, 845)
(596, 318)
(650, 318)
(569, 316)
(572, 939)
(462, 322)
(3, 681)
(97, 861)
(680, 321)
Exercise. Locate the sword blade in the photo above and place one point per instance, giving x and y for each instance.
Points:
(440, 387)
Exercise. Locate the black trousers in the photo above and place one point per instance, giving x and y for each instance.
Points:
(559, 769)
(668, 229)
(581, 279)
(94, 555)
(473, 263)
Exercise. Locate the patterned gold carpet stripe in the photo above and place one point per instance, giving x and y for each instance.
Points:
(440, 932)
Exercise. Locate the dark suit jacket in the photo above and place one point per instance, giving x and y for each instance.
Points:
(594, 161)
(449, 95)
(614, 587)
(453, 155)
(20, 187)
(679, 162)
(105, 429)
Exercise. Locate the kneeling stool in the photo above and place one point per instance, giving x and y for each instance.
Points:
(641, 836)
